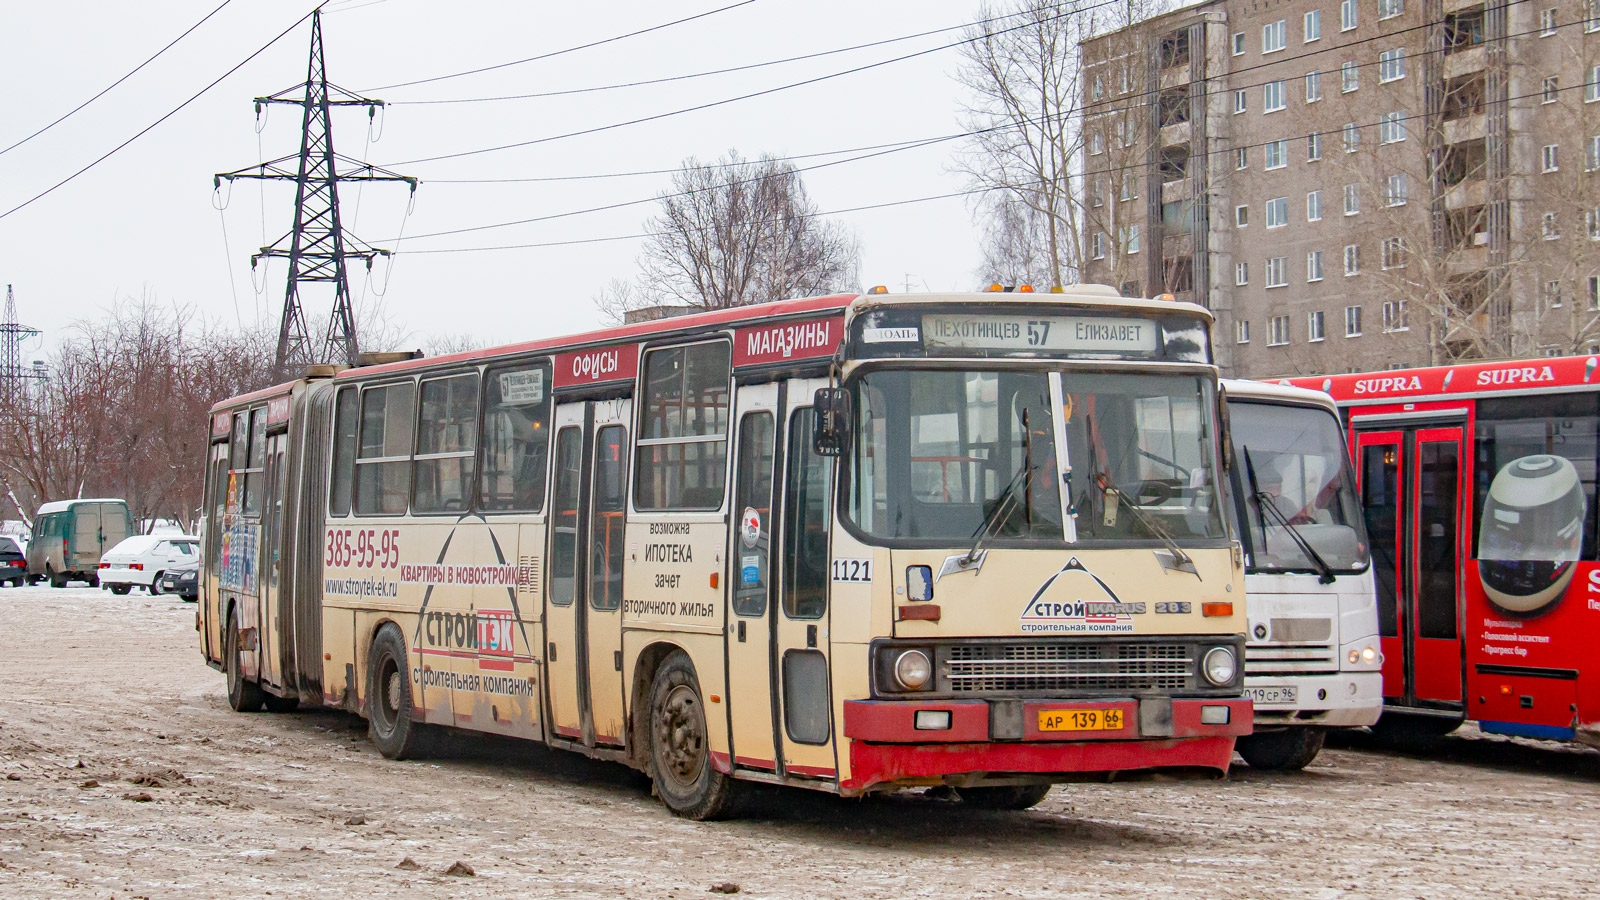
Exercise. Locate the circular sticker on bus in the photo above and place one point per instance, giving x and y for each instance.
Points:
(750, 526)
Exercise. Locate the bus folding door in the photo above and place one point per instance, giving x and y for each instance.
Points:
(751, 636)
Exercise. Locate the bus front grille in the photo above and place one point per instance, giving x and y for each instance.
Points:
(1290, 659)
(1070, 666)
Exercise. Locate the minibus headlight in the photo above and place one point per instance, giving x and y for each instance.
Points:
(913, 670)
(1219, 665)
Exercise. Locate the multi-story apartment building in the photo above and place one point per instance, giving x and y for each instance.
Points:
(1353, 184)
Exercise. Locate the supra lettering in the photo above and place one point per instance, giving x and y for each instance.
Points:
(1384, 385)
(1519, 375)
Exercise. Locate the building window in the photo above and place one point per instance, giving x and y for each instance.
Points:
(1277, 271)
(1591, 16)
(1352, 321)
(1591, 220)
(1552, 295)
(1275, 36)
(1280, 331)
(1272, 97)
(1349, 77)
(1130, 187)
(1130, 240)
(1098, 245)
(1352, 137)
(1097, 144)
(1549, 227)
(1392, 130)
(1239, 102)
(1277, 154)
(1591, 88)
(1241, 332)
(1313, 25)
(1352, 259)
(1594, 153)
(1241, 273)
(1547, 21)
(1347, 15)
(1388, 9)
(1352, 199)
(1394, 315)
(1315, 326)
(1551, 152)
(1124, 80)
(1241, 216)
(1313, 87)
(1551, 88)
(1098, 90)
(1394, 253)
(1097, 190)
(1277, 212)
(1313, 266)
(1238, 43)
(1314, 146)
(1594, 292)
(1314, 206)
(1241, 158)
(1391, 66)
(1394, 190)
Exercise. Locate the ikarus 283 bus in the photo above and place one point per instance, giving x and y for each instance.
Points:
(1312, 660)
(850, 543)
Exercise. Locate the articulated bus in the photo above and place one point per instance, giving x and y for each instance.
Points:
(852, 543)
(1311, 661)
(1477, 483)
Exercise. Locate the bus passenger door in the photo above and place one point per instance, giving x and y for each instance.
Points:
(562, 614)
(1410, 482)
(601, 625)
(750, 614)
(271, 528)
(801, 624)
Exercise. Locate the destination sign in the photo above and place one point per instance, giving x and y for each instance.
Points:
(1040, 334)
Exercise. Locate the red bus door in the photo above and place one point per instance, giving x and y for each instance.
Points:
(1410, 480)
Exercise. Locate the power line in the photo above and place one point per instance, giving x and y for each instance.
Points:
(554, 53)
(69, 113)
(153, 125)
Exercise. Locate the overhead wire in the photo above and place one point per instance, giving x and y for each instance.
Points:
(108, 88)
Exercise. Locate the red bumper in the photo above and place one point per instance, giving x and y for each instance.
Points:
(886, 746)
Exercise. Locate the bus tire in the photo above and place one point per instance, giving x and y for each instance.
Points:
(393, 728)
(244, 695)
(1407, 732)
(680, 752)
(1284, 750)
(1010, 796)
(277, 704)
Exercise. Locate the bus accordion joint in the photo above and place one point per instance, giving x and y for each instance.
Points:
(1224, 608)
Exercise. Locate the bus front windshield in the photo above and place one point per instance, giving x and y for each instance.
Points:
(1293, 458)
(945, 457)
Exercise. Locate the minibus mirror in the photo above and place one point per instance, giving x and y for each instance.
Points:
(831, 431)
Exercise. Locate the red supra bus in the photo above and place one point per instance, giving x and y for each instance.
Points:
(1478, 484)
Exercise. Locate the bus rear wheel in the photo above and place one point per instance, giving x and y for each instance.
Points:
(1412, 732)
(244, 695)
(680, 753)
(1011, 796)
(1285, 750)
(390, 714)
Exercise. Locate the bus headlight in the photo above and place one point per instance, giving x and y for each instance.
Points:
(913, 670)
(1219, 665)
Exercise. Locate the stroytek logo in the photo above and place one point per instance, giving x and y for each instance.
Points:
(1075, 600)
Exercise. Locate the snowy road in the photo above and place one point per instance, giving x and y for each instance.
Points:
(123, 774)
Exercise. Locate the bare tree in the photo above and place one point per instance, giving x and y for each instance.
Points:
(735, 232)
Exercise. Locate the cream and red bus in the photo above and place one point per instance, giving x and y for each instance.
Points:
(853, 543)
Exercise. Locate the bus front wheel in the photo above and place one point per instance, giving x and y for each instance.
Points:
(680, 754)
(244, 695)
(1284, 750)
(390, 714)
(1011, 796)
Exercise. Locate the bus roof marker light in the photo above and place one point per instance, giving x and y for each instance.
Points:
(1025, 289)
(995, 288)
(1058, 289)
(879, 289)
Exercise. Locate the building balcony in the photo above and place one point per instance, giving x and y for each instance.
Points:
(1465, 195)
(1466, 61)
(1176, 191)
(1175, 134)
(1177, 76)
(1465, 128)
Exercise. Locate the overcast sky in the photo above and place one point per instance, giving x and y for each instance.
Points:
(144, 220)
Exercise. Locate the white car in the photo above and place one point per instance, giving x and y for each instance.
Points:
(140, 560)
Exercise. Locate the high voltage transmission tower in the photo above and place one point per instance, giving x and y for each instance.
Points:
(318, 247)
(13, 378)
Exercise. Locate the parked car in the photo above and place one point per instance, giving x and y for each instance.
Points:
(13, 562)
(185, 582)
(70, 536)
(141, 560)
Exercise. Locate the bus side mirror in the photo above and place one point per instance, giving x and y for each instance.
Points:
(831, 431)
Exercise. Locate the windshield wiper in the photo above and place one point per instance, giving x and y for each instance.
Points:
(1180, 559)
(1264, 502)
(1006, 501)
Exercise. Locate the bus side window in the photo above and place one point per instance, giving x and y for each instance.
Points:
(446, 444)
(754, 495)
(610, 507)
(255, 477)
(219, 507)
(344, 453)
(238, 462)
(683, 428)
(383, 458)
(516, 439)
(564, 517)
(805, 526)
